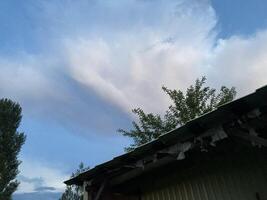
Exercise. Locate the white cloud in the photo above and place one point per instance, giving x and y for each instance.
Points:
(125, 52)
(240, 61)
(31, 80)
(35, 174)
(22, 77)
(130, 68)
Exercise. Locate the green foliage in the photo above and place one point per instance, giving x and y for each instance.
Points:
(11, 142)
(196, 101)
(74, 192)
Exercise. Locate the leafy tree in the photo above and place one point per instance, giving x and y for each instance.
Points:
(196, 101)
(74, 192)
(11, 142)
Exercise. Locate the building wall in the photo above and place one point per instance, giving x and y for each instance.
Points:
(203, 176)
(233, 179)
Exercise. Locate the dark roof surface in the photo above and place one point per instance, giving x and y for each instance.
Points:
(195, 127)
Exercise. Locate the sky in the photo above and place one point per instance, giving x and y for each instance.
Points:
(78, 67)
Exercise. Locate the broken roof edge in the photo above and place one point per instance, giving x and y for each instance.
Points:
(250, 100)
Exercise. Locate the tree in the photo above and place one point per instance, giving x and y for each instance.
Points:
(196, 101)
(11, 142)
(74, 192)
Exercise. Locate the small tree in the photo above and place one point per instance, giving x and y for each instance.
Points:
(196, 101)
(74, 192)
(11, 142)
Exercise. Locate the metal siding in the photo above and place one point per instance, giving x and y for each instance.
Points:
(225, 184)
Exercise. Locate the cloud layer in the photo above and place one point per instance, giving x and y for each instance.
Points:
(240, 61)
(39, 176)
(103, 59)
(180, 45)
(129, 67)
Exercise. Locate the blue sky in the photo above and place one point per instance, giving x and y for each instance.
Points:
(78, 68)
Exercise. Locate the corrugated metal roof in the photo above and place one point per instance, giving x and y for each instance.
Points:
(191, 129)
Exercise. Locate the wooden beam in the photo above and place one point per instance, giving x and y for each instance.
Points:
(100, 190)
(246, 136)
(137, 171)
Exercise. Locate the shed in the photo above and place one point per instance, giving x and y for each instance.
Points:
(220, 155)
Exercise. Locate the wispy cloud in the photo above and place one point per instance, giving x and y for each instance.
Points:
(45, 189)
(39, 176)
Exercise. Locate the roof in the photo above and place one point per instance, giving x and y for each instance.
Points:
(191, 129)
